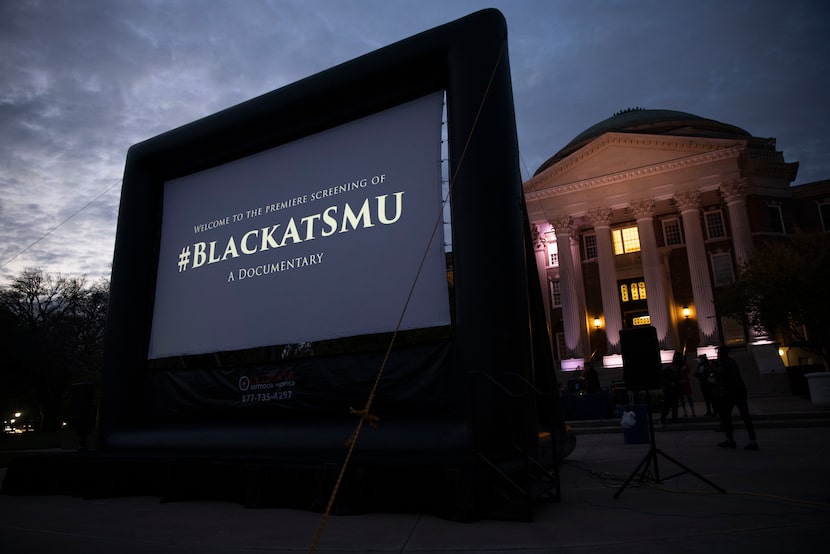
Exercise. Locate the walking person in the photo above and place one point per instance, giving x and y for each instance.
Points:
(733, 394)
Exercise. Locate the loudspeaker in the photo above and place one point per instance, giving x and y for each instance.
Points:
(641, 358)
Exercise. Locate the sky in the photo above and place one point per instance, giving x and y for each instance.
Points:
(83, 80)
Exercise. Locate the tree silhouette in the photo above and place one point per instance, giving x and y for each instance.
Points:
(784, 290)
(52, 327)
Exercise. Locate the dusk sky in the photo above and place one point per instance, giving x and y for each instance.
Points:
(83, 80)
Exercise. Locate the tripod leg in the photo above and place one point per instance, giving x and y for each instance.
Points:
(644, 462)
(689, 470)
(652, 438)
(654, 451)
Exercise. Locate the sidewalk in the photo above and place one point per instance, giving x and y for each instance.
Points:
(766, 411)
(777, 500)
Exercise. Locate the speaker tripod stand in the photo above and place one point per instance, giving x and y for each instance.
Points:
(650, 460)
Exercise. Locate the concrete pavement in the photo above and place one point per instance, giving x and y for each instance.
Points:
(777, 500)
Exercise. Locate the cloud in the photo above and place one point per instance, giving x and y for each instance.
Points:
(81, 81)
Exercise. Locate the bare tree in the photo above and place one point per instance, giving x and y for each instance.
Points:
(54, 330)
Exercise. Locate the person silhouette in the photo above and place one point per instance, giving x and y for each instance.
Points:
(671, 387)
(706, 378)
(592, 385)
(686, 396)
(733, 394)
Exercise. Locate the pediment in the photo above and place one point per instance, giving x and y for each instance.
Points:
(633, 154)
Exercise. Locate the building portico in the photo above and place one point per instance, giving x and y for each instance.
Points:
(638, 220)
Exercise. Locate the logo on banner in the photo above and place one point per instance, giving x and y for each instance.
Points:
(267, 388)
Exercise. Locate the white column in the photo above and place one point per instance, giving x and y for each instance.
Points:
(579, 284)
(658, 310)
(541, 255)
(734, 194)
(571, 318)
(689, 204)
(600, 218)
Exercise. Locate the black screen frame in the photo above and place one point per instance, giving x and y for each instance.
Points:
(491, 334)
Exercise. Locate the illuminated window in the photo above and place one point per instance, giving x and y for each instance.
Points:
(671, 232)
(632, 291)
(641, 320)
(715, 228)
(626, 240)
(590, 243)
(722, 273)
(555, 292)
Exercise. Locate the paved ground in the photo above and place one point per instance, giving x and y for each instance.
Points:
(776, 500)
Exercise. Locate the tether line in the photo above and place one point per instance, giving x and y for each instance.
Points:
(56, 227)
(365, 414)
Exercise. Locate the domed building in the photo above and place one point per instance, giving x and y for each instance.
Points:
(639, 219)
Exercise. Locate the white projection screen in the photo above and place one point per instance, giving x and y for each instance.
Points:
(317, 239)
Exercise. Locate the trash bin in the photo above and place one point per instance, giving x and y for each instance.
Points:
(636, 431)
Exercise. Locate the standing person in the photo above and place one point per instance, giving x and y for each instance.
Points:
(592, 385)
(671, 388)
(733, 393)
(705, 374)
(686, 389)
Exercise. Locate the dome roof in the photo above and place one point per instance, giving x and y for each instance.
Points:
(653, 122)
